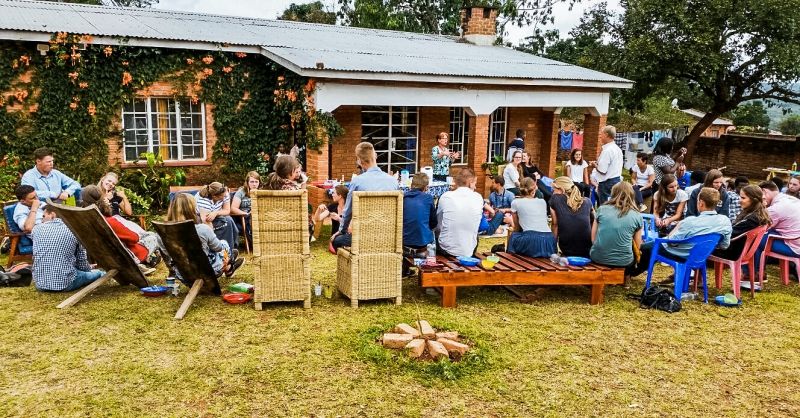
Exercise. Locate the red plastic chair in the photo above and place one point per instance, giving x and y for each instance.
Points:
(784, 259)
(753, 239)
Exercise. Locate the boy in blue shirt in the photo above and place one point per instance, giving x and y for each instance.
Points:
(499, 205)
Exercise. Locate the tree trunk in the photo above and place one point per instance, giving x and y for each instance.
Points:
(694, 135)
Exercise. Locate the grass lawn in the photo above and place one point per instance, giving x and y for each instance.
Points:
(118, 353)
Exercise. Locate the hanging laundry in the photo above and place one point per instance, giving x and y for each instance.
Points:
(565, 142)
(577, 140)
(620, 139)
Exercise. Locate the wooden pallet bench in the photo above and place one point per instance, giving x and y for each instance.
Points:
(514, 270)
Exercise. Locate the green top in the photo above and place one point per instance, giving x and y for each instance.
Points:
(613, 245)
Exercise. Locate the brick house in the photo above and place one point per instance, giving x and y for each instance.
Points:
(719, 127)
(395, 89)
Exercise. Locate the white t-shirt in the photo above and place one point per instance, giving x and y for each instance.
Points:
(532, 214)
(576, 171)
(511, 176)
(642, 176)
(459, 214)
(609, 164)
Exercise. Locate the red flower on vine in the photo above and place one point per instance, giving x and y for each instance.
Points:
(61, 38)
(189, 61)
(73, 105)
(226, 148)
(291, 96)
(73, 76)
(83, 84)
(207, 72)
(124, 63)
(87, 39)
(240, 55)
(208, 59)
(21, 95)
(108, 51)
(25, 60)
(126, 78)
(227, 69)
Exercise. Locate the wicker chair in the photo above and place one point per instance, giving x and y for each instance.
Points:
(281, 254)
(372, 267)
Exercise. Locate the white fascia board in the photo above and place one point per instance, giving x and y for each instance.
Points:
(329, 96)
(430, 78)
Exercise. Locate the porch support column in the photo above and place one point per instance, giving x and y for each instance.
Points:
(549, 142)
(591, 135)
(478, 148)
(317, 168)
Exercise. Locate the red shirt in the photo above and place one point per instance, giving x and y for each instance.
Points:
(129, 238)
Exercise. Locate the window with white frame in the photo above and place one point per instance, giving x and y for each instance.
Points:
(497, 133)
(459, 133)
(175, 129)
(393, 132)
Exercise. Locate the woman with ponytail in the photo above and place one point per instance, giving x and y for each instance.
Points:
(572, 218)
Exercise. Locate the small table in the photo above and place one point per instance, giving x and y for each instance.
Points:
(435, 189)
(773, 171)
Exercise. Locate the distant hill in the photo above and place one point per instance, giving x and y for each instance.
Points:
(776, 114)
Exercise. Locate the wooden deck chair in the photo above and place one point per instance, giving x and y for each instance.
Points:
(371, 268)
(186, 251)
(280, 246)
(102, 246)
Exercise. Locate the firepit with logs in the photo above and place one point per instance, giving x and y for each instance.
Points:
(424, 343)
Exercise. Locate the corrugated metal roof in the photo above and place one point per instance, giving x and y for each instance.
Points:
(699, 115)
(303, 45)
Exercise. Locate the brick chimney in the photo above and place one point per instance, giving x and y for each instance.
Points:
(479, 25)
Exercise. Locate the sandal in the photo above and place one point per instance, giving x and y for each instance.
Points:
(233, 267)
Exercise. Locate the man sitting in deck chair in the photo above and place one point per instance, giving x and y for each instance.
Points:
(59, 260)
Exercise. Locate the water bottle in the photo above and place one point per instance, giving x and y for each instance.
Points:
(689, 296)
(432, 249)
(174, 284)
(794, 166)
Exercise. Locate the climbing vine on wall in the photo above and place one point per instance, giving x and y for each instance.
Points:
(70, 100)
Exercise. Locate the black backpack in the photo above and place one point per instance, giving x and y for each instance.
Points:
(657, 297)
(19, 275)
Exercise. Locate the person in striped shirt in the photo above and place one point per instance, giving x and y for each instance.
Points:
(214, 208)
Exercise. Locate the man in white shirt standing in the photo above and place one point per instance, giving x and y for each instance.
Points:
(459, 215)
(608, 164)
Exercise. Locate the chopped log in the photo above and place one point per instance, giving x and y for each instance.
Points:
(453, 346)
(450, 335)
(406, 329)
(416, 347)
(426, 329)
(396, 340)
(437, 350)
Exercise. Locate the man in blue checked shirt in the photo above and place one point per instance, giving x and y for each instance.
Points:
(59, 260)
(49, 182)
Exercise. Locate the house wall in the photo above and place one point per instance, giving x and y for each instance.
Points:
(743, 156)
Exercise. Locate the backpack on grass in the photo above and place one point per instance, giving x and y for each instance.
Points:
(19, 275)
(657, 297)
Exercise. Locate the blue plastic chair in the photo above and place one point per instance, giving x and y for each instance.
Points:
(650, 230)
(702, 246)
(21, 246)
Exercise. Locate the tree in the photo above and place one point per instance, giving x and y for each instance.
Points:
(790, 125)
(753, 115)
(311, 12)
(441, 16)
(657, 113)
(727, 51)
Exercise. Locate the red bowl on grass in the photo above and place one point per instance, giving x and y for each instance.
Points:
(237, 298)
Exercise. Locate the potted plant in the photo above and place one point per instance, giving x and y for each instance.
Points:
(492, 166)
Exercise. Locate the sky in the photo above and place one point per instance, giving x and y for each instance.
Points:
(565, 19)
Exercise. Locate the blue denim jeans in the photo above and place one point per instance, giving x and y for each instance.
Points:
(604, 190)
(83, 278)
(778, 246)
(495, 223)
